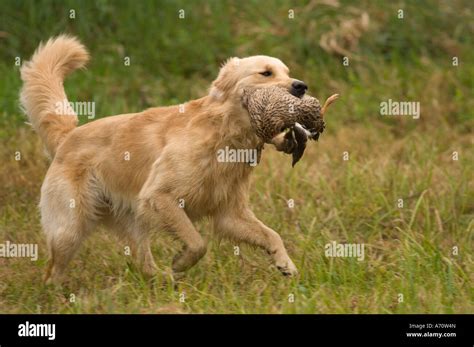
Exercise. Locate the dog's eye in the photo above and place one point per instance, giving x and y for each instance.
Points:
(266, 73)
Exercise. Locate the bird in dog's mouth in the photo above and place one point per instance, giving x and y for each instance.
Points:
(286, 118)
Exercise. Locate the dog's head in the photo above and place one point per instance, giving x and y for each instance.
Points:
(258, 71)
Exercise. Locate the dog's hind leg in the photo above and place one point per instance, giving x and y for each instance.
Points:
(65, 222)
(63, 243)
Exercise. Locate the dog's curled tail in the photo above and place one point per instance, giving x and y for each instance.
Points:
(43, 97)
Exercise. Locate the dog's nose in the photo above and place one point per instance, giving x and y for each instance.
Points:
(298, 88)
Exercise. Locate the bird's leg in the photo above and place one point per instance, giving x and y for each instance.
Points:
(328, 102)
(285, 142)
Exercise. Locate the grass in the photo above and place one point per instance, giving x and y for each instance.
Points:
(409, 250)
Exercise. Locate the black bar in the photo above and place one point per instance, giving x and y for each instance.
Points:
(239, 329)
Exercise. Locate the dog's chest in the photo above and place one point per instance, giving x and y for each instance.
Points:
(217, 188)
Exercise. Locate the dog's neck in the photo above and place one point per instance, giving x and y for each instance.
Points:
(233, 120)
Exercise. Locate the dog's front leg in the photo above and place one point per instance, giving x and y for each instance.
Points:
(243, 226)
(160, 210)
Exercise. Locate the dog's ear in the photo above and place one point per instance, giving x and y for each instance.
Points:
(226, 79)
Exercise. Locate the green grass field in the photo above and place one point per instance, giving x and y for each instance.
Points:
(418, 258)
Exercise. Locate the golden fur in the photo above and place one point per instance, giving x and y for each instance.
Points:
(172, 156)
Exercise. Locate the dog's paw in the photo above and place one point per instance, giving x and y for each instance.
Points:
(287, 268)
(178, 276)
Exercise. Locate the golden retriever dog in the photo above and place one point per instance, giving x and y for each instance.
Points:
(156, 169)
